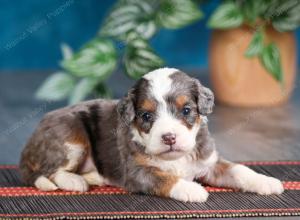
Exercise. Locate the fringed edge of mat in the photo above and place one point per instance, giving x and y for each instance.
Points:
(162, 215)
(106, 190)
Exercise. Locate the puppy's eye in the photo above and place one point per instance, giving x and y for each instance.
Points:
(186, 111)
(146, 116)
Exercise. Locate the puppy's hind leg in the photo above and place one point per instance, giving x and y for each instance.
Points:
(93, 178)
(65, 177)
(89, 172)
(227, 174)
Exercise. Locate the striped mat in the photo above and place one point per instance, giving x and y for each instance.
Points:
(20, 202)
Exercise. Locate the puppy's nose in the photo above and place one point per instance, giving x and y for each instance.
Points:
(169, 138)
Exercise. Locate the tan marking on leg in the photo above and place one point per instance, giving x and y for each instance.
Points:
(79, 136)
(167, 182)
(221, 167)
(218, 172)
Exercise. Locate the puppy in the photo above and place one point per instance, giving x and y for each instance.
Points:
(155, 140)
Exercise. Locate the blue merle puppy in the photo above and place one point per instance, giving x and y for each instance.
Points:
(155, 140)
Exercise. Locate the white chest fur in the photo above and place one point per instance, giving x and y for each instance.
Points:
(186, 167)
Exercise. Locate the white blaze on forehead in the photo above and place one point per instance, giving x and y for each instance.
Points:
(160, 82)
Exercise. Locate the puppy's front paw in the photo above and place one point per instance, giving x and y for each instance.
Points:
(187, 191)
(265, 185)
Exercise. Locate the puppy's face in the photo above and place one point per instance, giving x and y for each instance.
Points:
(165, 110)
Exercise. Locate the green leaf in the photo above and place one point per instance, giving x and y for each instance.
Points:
(270, 58)
(277, 8)
(289, 20)
(130, 16)
(56, 87)
(175, 14)
(284, 14)
(285, 6)
(227, 15)
(250, 10)
(102, 91)
(67, 51)
(264, 7)
(271, 10)
(256, 45)
(283, 25)
(97, 59)
(83, 88)
(139, 58)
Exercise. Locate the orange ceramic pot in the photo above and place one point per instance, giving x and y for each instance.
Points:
(240, 81)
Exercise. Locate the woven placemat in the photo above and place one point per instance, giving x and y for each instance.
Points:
(18, 201)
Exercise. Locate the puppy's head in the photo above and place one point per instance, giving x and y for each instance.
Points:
(165, 110)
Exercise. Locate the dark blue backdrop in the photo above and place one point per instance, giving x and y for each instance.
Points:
(32, 31)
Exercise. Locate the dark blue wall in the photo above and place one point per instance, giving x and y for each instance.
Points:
(31, 33)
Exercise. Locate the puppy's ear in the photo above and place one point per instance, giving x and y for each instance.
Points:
(125, 108)
(204, 97)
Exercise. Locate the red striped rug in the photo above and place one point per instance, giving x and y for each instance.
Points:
(18, 201)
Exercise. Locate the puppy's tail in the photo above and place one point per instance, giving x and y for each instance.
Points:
(44, 184)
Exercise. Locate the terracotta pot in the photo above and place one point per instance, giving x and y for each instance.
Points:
(240, 81)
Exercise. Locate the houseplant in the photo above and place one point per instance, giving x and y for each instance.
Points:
(252, 54)
(253, 51)
(122, 39)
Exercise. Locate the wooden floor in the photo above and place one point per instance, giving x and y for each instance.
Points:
(241, 134)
